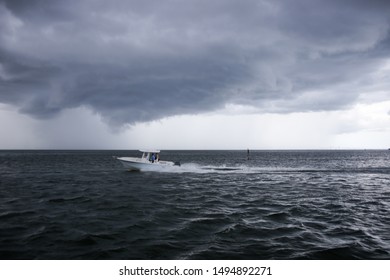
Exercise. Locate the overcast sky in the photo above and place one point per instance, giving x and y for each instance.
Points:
(195, 74)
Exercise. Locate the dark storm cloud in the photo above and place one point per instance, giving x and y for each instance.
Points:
(142, 60)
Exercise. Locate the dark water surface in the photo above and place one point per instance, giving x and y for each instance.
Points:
(217, 205)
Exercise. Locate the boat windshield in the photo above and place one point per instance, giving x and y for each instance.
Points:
(149, 156)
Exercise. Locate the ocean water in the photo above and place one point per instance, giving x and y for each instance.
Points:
(217, 205)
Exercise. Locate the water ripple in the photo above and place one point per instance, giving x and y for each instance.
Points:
(278, 205)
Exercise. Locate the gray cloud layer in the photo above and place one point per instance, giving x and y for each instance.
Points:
(142, 60)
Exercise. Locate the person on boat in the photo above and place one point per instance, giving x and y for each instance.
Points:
(153, 158)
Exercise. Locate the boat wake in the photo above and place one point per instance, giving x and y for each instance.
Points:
(197, 168)
(225, 169)
(245, 169)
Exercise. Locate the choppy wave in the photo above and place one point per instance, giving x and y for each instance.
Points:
(217, 205)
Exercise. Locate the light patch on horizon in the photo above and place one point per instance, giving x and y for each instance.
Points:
(308, 130)
(362, 127)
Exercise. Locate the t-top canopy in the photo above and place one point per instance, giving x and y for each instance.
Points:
(150, 151)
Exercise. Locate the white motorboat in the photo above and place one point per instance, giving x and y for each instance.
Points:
(150, 161)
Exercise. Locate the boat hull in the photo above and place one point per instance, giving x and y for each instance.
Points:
(137, 164)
